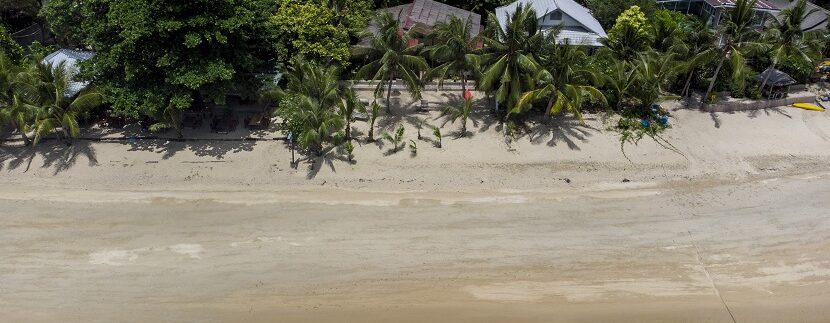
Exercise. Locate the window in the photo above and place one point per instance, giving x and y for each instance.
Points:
(556, 15)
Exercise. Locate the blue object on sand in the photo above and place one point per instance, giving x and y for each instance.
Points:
(645, 123)
(664, 120)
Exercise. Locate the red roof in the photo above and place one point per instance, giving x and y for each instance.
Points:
(761, 4)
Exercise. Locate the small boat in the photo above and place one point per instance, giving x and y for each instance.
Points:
(808, 106)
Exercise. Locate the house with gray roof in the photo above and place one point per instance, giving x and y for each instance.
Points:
(816, 20)
(578, 25)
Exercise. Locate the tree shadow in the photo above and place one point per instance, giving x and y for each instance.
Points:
(560, 130)
(327, 158)
(214, 148)
(55, 155)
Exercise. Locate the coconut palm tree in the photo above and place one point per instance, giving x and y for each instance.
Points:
(789, 41)
(453, 47)
(737, 35)
(699, 48)
(563, 80)
(311, 101)
(16, 93)
(58, 109)
(391, 56)
(619, 80)
(351, 105)
(509, 56)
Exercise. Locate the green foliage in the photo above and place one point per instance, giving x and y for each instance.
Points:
(152, 54)
(310, 104)
(738, 38)
(413, 147)
(630, 34)
(389, 56)
(373, 116)
(8, 46)
(395, 139)
(436, 131)
(56, 110)
(453, 48)
(65, 19)
(318, 30)
(460, 113)
(509, 56)
(350, 150)
(607, 11)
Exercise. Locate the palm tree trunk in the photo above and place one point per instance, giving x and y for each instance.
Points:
(348, 129)
(464, 127)
(389, 95)
(714, 79)
(66, 136)
(463, 84)
(688, 85)
(26, 140)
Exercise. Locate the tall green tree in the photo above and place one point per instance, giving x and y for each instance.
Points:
(788, 41)
(453, 48)
(152, 55)
(630, 35)
(738, 36)
(16, 93)
(698, 49)
(8, 46)
(391, 56)
(508, 59)
(318, 29)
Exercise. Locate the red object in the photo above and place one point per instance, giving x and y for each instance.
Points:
(468, 95)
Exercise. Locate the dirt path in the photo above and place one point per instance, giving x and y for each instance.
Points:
(682, 254)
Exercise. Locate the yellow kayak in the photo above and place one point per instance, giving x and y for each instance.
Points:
(808, 106)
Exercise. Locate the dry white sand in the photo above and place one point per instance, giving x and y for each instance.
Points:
(541, 230)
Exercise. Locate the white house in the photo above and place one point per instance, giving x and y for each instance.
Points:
(579, 27)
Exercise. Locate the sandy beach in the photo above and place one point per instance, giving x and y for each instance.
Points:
(555, 226)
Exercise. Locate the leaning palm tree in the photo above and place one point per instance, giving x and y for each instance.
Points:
(58, 109)
(789, 41)
(736, 39)
(453, 47)
(619, 81)
(391, 56)
(698, 49)
(351, 105)
(509, 55)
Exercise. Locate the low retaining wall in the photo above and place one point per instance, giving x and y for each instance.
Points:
(399, 86)
(747, 104)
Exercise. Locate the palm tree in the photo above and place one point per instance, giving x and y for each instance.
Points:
(509, 55)
(453, 47)
(16, 93)
(390, 57)
(562, 80)
(619, 81)
(57, 107)
(699, 48)
(311, 101)
(736, 37)
(348, 108)
(654, 70)
(461, 113)
(789, 41)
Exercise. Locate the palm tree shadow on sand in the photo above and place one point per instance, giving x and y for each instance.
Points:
(54, 155)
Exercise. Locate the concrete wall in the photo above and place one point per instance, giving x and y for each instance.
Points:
(746, 104)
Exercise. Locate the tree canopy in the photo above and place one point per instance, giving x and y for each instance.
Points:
(153, 54)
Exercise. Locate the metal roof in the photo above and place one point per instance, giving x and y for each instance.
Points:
(543, 7)
(760, 5)
(816, 20)
(428, 13)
